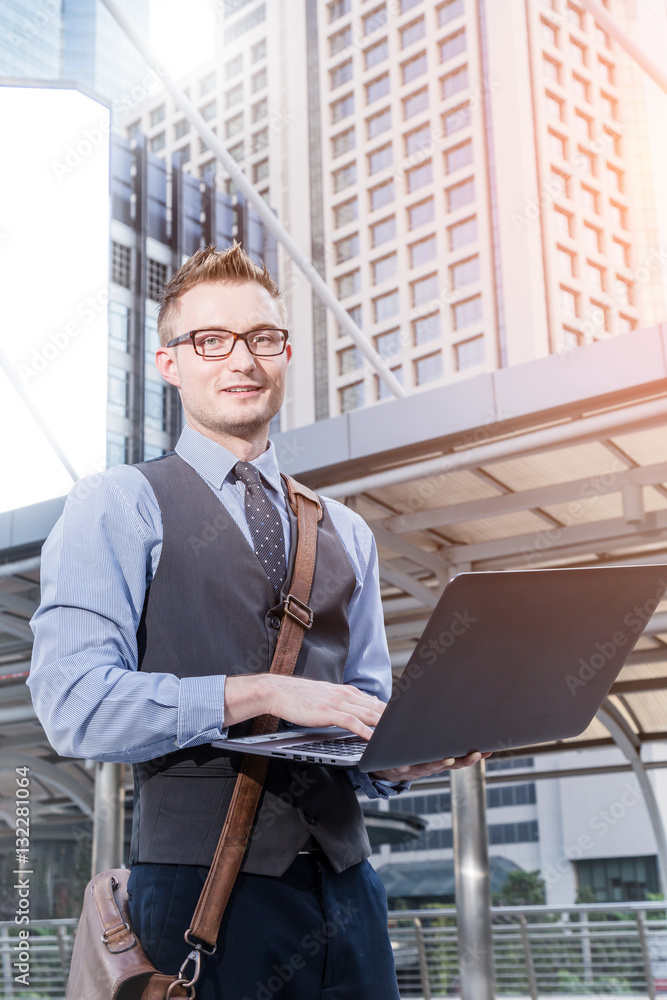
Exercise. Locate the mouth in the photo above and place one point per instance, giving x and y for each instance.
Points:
(243, 390)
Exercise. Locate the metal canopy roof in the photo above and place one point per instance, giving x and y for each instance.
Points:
(557, 462)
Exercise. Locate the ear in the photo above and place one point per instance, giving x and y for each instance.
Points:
(165, 361)
(288, 351)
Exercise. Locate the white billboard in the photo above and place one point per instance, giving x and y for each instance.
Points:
(54, 260)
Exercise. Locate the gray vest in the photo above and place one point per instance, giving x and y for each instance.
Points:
(210, 610)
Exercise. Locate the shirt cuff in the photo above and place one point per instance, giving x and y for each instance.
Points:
(201, 709)
(375, 788)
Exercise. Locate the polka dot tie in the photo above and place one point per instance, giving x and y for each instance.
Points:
(265, 525)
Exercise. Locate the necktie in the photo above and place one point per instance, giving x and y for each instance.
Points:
(265, 525)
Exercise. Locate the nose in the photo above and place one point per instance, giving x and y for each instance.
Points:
(240, 358)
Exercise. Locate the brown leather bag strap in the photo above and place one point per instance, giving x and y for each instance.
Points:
(297, 617)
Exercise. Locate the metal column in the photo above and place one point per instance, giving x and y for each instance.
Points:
(473, 883)
(109, 816)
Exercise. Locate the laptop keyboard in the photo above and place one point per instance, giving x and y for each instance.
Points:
(343, 746)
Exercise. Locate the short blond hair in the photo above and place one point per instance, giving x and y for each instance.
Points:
(232, 266)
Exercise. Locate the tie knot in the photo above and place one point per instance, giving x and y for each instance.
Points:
(247, 473)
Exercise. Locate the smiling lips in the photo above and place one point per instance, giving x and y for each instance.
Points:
(242, 389)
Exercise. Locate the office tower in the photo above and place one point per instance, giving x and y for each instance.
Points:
(77, 41)
(478, 182)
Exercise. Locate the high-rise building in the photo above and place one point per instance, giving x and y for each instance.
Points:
(479, 183)
(77, 41)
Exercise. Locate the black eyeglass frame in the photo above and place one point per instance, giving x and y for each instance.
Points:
(191, 334)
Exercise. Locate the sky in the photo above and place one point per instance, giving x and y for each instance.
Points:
(182, 32)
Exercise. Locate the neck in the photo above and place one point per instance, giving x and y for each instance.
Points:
(246, 448)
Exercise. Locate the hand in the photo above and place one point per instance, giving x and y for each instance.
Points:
(413, 771)
(302, 701)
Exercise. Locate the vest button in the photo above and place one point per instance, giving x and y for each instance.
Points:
(309, 818)
(274, 621)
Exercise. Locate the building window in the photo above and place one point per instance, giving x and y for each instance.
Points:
(155, 408)
(424, 290)
(592, 238)
(158, 142)
(549, 33)
(181, 128)
(385, 306)
(465, 273)
(454, 82)
(233, 67)
(121, 257)
(421, 213)
(456, 119)
(568, 302)
(118, 397)
(384, 269)
(244, 24)
(412, 32)
(578, 52)
(589, 198)
(234, 125)
(469, 353)
(378, 123)
(554, 107)
(383, 231)
(156, 276)
(341, 74)
(237, 152)
(343, 142)
(375, 20)
(338, 8)
(419, 176)
(417, 140)
(349, 360)
(511, 795)
(618, 215)
(514, 833)
(157, 115)
(376, 54)
(344, 177)
(461, 194)
(259, 110)
(354, 312)
(563, 222)
(557, 145)
(448, 11)
(595, 276)
(596, 312)
(348, 284)
(181, 155)
(414, 68)
(258, 81)
(463, 233)
(467, 313)
(258, 51)
(621, 253)
(552, 69)
(583, 125)
(380, 159)
(619, 879)
(340, 41)
(207, 83)
(119, 326)
(452, 46)
(566, 262)
(381, 388)
(116, 449)
(580, 87)
(260, 171)
(208, 111)
(428, 369)
(347, 248)
(151, 338)
(381, 195)
(346, 212)
(426, 329)
(458, 157)
(234, 96)
(377, 88)
(626, 324)
(259, 140)
(423, 252)
(351, 397)
(342, 108)
(388, 345)
(415, 103)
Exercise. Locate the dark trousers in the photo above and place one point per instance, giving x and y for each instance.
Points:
(311, 934)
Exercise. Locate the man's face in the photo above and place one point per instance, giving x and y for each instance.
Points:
(237, 396)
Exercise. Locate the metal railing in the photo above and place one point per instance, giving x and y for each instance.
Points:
(597, 950)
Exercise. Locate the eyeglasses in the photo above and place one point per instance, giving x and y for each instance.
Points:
(216, 344)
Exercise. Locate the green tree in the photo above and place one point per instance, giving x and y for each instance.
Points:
(521, 889)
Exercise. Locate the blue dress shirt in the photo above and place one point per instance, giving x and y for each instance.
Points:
(97, 563)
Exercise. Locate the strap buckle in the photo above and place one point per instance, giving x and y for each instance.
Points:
(298, 611)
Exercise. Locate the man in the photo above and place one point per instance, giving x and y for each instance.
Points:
(159, 615)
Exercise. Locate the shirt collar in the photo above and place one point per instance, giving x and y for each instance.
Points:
(215, 462)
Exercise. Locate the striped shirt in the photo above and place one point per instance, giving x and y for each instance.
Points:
(97, 563)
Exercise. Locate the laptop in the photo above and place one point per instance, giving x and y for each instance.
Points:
(507, 660)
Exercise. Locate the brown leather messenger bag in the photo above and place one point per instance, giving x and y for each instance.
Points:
(108, 962)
